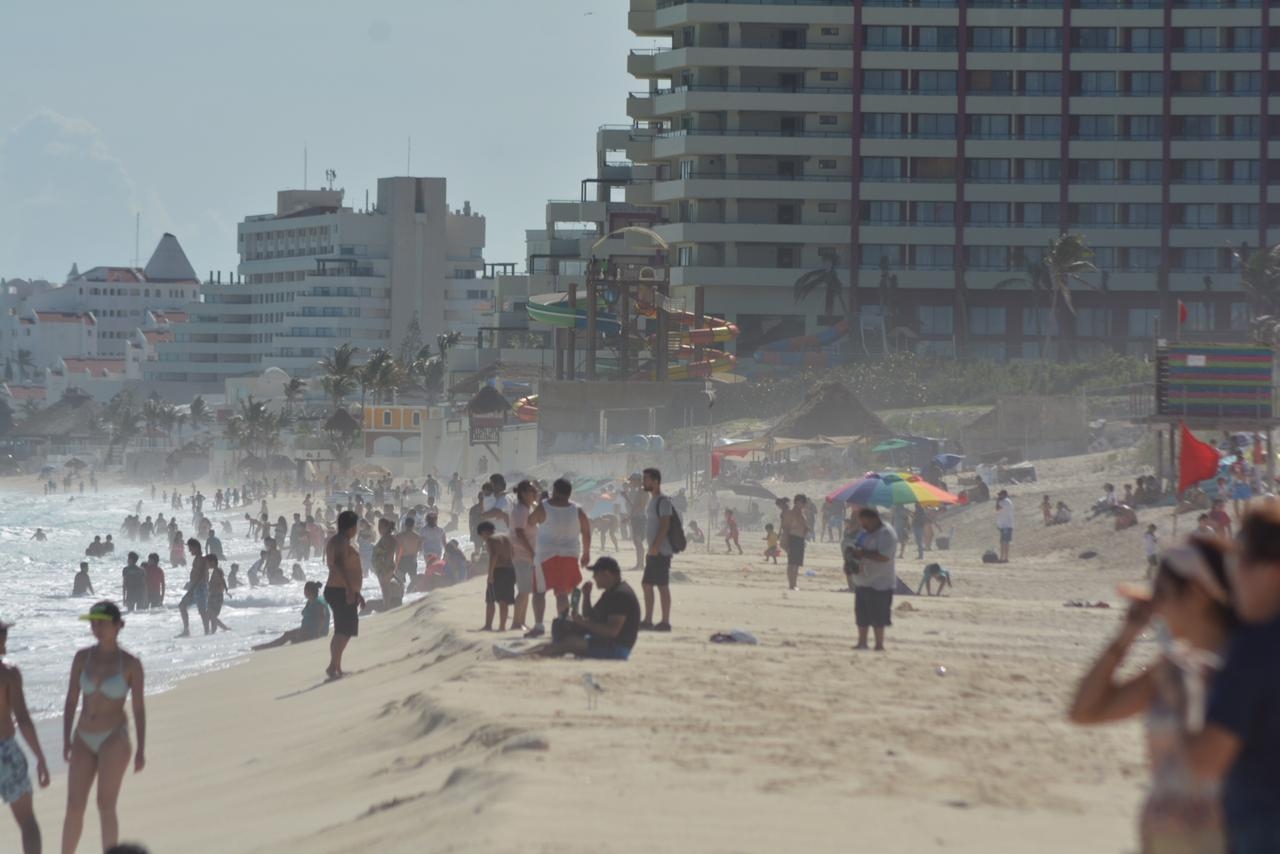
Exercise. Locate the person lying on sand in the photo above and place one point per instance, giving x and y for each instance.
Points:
(607, 630)
(315, 620)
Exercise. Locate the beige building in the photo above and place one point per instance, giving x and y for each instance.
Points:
(945, 143)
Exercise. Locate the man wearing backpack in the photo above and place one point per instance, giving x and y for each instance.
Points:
(659, 516)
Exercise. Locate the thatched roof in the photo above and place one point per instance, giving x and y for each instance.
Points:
(830, 409)
(72, 417)
(341, 421)
(488, 400)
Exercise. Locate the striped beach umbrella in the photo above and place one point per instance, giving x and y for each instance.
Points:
(890, 488)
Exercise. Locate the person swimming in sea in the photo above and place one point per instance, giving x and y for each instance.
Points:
(39, 535)
(81, 585)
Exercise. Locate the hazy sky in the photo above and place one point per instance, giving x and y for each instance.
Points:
(195, 113)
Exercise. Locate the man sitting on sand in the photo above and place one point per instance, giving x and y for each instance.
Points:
(315, 620)
(607, 630)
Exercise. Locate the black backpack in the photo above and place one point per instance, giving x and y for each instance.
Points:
(675, 531)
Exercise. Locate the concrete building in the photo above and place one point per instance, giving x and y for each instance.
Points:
(48, 336)
(120, 297)
(316, 273)
(945, 143)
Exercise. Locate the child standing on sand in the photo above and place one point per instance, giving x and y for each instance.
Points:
(771, 549)
(731, 532)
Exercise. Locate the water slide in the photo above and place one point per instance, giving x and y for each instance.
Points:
(810, 351)
(554, 310)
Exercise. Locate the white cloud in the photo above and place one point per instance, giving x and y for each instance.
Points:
(63, 197)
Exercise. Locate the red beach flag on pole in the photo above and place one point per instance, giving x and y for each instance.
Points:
(1197, 461)
(1182, 312)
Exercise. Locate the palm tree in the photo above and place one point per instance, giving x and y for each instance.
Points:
(122, 419)
(179, 421)
(293, 391)
(1260, 280)
(340, 372)
(1065, 262)
(152, 415)
(826, 279)
(198, 413)
(374, 371)
(26, 363)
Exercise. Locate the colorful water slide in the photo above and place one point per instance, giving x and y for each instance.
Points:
(527, 409)
(554, 310)
(810, 351)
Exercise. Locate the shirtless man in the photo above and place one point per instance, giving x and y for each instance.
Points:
(637, 501)
(342, 589)
(15, 783)
(81, 585)
(197, 589)
(795, 530)
(501, 587)
(410, 545)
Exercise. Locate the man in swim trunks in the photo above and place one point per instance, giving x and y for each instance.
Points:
(134, 584)
(197, 589)
(155, 581)
(795, 529)
(15, 782)
(410, 544)
(342, 590)
(81, 585)
(501, 587)
(563, 545)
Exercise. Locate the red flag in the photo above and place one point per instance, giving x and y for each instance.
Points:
(1198, 460)
(1182, 312)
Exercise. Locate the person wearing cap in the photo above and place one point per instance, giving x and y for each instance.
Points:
(1240, 743)
(606, 630)
(315, 620)
(97, 748)
(1191, 597)
(1004, 523)
(15, 780)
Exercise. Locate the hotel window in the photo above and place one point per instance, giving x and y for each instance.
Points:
(873, 255)
(989, 127)
(1146, 83)
(988, 213)
(1040, 213)
(881, 168)
(1145, 127)
(884, 213)
(936, 82)
(936, 319)
(937, 38)
(883, 37)
(990, 38)
(987, 257)
(1194, 127)
(1198, 38)
(1043, 38)
(826, 207)
(987, 320)
(1097, 82)
(830, 31)
(1246, 82)
(990, 82)
(1195, 171)
(935, 213)
(1093, 171)
(386, 418)
(826, 164)
(1244, 171)
(1091, 322)
(1193, 82)
(1041, 127)
(1243, 215)
(1039, 321)
(1146, 171)
(1093, 38)
(829, 76)
(1143, 215)
(934, 257)
(1245, 38)
(1143, 259)
(1094, 213)
(936, 125)
(1143, 322)
(882, 125)
(987, 169)
(1243, 127)
(1040, 171)
(1042, 83)
(877, 80)
(417, 419)
(1195, 216)
(1146, 39)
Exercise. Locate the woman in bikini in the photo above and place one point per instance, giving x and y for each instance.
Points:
(99, 745)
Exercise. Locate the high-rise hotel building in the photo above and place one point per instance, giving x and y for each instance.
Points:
(944, 143)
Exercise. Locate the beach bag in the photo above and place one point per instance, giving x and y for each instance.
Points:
(989, 556)
(675, 531)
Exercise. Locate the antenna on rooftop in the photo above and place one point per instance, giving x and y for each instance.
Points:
(329, 175)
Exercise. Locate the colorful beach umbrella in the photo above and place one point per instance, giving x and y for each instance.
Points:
(891, 488)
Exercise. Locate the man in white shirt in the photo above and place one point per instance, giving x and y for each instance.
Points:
(497, 507)
(1004, 522)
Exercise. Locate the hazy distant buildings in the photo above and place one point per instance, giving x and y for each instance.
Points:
(946, 142)
(315, 274)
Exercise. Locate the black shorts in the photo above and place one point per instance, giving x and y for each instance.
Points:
(795, 550)
(873, 608)
(502, 590)
(346, 615)
(657, 570)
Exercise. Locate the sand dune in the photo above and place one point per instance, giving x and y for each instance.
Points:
(796, 744)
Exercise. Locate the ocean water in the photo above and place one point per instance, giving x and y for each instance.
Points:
(35, 587)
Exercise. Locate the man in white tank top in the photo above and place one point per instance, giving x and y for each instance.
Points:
(563, 547)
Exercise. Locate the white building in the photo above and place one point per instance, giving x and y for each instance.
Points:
(316, 274)
(119, 297)
(47, 335)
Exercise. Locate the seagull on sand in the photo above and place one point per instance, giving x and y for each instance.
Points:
(593, 689)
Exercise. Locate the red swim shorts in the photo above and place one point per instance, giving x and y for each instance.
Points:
(560, 575)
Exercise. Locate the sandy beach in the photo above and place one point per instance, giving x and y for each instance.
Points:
(800, 743)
